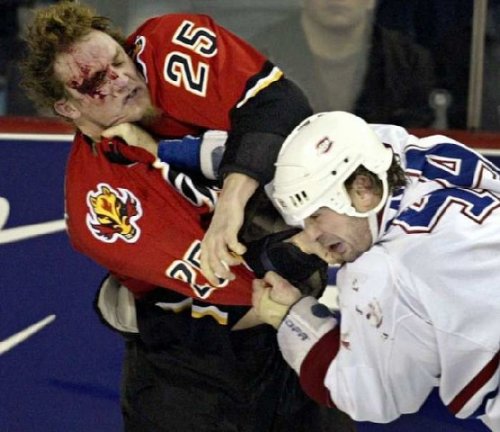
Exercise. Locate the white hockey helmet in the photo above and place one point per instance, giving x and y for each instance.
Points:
(318, 157)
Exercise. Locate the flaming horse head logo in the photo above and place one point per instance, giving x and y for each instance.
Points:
(113, 214)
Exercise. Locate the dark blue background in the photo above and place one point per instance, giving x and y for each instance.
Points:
(66, 377)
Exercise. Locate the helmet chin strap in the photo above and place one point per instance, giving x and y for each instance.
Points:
(373, 225)
(372, 217)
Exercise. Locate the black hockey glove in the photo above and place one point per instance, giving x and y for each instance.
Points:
(274, 253)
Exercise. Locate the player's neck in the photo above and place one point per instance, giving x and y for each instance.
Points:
(92, 130)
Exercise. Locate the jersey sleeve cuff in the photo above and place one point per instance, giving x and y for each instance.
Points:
(211, 152)
(304, 325)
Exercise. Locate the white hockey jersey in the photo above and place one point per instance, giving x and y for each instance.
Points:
(421, 308)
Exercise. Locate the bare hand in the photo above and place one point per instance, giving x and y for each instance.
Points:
(272, 298)
(133, 135)
(220, 248)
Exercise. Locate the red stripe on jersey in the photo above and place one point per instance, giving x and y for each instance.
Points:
(315, 366)
(477, 382)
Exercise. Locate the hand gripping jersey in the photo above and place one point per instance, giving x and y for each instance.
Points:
(144, 223)
(421, 308)
(142, 220)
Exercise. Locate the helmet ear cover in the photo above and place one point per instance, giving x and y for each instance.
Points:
(316, 160)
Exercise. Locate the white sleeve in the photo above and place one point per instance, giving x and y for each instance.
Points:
(309, 340)
(304, 325)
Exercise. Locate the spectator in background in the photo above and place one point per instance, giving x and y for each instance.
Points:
(440, 27)
(343, 60)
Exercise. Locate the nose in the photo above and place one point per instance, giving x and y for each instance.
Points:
(118, 80)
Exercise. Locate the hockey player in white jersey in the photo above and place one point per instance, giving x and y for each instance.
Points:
(415, 224)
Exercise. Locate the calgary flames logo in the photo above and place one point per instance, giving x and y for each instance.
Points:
(113, 214)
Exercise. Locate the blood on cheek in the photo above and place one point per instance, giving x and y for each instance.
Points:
(92, 85)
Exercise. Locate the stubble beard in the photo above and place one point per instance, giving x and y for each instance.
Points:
(151, 115)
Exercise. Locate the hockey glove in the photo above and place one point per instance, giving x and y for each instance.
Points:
(274, 253)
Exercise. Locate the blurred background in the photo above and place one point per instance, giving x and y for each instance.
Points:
(424, 64)
(391, 61)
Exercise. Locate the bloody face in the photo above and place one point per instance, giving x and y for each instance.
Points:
(91, 84)
(103, 85)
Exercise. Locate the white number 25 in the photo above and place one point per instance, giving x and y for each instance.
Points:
(179, 68)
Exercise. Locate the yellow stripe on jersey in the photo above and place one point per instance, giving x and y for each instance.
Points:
(213, 311)
(261, 84)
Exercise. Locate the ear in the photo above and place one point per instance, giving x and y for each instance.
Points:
(66, 109)
(364, 194)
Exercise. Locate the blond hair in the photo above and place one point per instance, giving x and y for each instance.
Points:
(53, 30)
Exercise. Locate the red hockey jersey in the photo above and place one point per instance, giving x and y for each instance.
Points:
(126, 214)
(197, 72)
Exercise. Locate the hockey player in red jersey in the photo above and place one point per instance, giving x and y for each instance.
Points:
(238, 91)
(186, 368)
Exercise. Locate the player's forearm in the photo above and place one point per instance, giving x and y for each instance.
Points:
(238, 188)
(309, 341)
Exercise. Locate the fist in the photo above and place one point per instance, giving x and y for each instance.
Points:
(272, 297)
